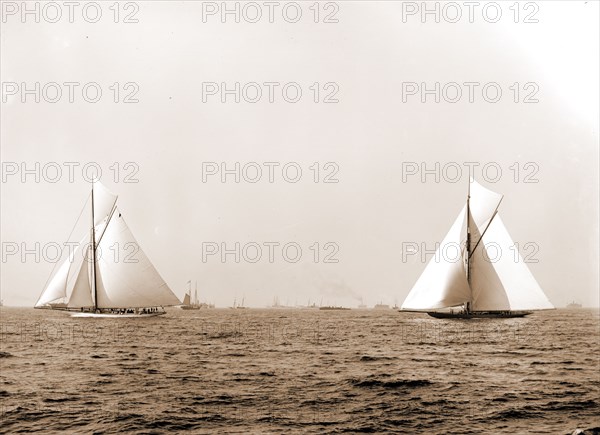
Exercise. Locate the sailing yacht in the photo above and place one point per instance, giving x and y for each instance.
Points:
(475, 283)
(94, 282)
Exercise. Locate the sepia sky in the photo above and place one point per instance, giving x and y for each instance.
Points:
(547, 150)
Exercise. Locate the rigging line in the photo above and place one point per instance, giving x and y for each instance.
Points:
(487, 226)
(107, 222)
(68, 238)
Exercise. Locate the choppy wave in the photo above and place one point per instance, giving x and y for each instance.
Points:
(400, 383)
(274, 371)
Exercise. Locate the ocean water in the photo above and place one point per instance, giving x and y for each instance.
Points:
(299, 371)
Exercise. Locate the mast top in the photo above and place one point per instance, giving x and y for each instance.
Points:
(471, 180)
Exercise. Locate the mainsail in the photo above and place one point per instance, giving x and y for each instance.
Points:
(111, 271)
(490, 276)
(125, 276)
(500, 278)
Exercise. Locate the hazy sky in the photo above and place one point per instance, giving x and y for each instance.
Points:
(365, 60)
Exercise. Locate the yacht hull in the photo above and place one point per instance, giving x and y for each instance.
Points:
(115, 316)
(478, 314)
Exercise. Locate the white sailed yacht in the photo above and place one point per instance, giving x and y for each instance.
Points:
(99, 279)
(477, 270)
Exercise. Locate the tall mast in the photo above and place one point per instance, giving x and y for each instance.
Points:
(196, 293)
(94, 283)
(469, 243)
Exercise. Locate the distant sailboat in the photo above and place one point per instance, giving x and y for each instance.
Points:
(311, 305)
(478, 284)
(237, 306)
(276, 303)
(188, 302)
(90, 284)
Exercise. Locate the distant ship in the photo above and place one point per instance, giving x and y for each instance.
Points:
(88, 284)
(296, 306)
(471, 283)
(310, 305)
(330, 308)
(277, 304)
(238, 307)
(188, 303)
(574, 305)
(381, 306)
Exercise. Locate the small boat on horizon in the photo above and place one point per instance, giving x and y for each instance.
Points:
(574, 305)
(332, 308)
(91, 284)
(470, 284)
(237, 306)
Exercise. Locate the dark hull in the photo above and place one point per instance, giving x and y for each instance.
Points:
(478, 314)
